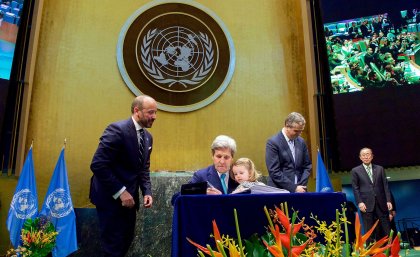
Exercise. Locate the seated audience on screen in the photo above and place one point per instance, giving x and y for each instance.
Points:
(354, 31)
(375, 42)
(371, 56)
(365, 29)
(245, 173)
(376, 24)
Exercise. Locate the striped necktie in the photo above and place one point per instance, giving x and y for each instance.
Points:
(140, 139)
(369, 172)
(222, 179)
(292, 148)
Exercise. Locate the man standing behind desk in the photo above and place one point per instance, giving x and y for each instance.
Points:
(120, 167)
(287, 157)
(370, 188)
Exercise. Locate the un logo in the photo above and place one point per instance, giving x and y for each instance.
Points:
(24, 204)
(326, 189)
(59, 203)
(180, 53)
(177, 57)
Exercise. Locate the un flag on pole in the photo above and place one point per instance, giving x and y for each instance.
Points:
(323, 183)
(24, 203)
(59, 207)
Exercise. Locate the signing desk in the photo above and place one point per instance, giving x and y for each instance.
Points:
(193, 215)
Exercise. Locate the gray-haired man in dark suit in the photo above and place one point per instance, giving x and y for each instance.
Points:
(372, 195)
(287, 156)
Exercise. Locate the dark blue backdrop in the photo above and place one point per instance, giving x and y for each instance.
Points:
(406, 198)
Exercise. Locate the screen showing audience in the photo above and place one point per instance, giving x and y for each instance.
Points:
(373, 52)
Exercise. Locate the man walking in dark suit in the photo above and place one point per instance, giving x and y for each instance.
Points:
(120, 167)
(370, 188)
(287, 156)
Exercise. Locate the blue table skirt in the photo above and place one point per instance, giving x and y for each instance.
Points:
(193, 215)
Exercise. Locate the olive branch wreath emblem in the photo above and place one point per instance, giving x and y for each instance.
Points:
(156, 74)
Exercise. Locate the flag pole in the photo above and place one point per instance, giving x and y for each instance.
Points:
(65, 142)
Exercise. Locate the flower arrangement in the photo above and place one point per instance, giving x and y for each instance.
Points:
(38, 238)
(284, 239)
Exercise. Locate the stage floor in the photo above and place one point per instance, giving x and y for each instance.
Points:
(410, 253)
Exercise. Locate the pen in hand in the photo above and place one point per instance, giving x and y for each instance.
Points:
(210, 185)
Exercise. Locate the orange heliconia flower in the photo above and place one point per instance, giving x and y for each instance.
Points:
(204, 249)
(285, 239)
(359, 243)
(233, 251)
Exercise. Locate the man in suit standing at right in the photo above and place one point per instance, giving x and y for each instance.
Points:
(287, 157)
(372, 195)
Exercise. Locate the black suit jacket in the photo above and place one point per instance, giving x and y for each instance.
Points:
(281, 167)
(367, 192)
(116, 163)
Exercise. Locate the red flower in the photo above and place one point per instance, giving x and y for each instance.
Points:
(286, 238)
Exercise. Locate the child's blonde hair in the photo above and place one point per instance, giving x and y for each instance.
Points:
(250, 166)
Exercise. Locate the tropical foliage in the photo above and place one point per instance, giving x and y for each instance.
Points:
(38, 238)
(291, 237)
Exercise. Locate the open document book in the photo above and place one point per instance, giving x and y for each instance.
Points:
(257, 188)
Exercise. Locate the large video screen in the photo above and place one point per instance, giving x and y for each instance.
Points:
(10, 16)
(372, 49)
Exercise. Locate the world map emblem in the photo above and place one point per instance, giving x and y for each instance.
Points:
(24, 204)
(59, 203)
(177, 56)
(178, 52)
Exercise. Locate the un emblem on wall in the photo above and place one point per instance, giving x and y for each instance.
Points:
(178, 52)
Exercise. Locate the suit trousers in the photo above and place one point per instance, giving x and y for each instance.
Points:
(117, 227)
(384, 226)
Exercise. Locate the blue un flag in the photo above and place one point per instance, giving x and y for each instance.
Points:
(24, 203)
(58, 206)
(323, 183)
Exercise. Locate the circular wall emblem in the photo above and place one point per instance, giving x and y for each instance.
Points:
(178, 52)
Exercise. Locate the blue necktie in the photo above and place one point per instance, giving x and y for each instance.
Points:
(222, 178)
